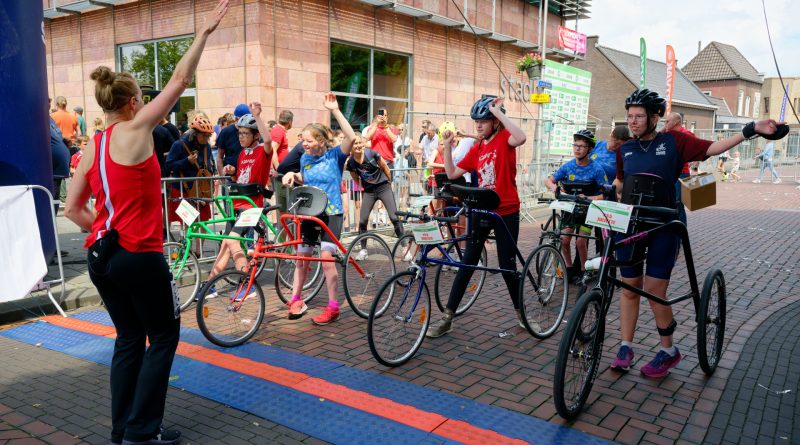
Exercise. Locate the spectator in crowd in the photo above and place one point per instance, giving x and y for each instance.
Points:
(424, 128)
(81, 120)
(766, 155)
(162, 143)
(76, 158)
(61, 156)
(228, 147)
(604, 152)
(271, 123)
(735, 167)
(66, 121)
(381, 137)
(98, 125)
(185, 158)
(429, 143)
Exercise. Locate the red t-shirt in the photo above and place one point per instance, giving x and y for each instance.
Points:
(382, 144)
(690, 148)
(75, 159)
(128, 200)
(252, 167)
(496, 164)
(278, 135)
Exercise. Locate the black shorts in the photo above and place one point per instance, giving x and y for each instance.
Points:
(311, 231)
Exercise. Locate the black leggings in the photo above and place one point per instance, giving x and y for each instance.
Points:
(384, 193)
(506, 255)
(137, 291)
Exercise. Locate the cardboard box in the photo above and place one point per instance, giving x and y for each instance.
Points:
(699, 191)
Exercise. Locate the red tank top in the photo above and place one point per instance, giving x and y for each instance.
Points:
(128, 199)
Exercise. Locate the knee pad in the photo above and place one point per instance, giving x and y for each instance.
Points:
(305, 249)
(329, 247)
(668, 330)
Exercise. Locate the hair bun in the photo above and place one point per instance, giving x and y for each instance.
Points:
(103, 75)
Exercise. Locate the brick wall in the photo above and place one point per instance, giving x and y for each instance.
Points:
(729, 90)
(277, 51)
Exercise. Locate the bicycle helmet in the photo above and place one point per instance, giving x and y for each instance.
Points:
(586, 135)
(247, 121)
(650, 100)
(446, 125)
(202, 124)
(480, 109)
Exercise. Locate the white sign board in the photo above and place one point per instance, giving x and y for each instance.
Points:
(249, 218)
(568, 109)
(421, 201)
(427, 233)
(186, 212)
(564, 206)
(609, 213)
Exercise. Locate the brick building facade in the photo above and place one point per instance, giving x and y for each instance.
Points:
(279, 51)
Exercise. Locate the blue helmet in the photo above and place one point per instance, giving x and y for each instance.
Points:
(480, 109)
(241, 110)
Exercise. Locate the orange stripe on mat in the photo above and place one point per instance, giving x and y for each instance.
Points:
(407, 415)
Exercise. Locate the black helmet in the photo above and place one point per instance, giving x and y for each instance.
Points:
(650, 100)
(586, 135)
(480, 109)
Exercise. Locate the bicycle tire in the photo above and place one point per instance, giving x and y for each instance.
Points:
(711, 321)
(187, 277)
(579, 358)
(284, 273)
(543, 292)
(360, 290)
(445, 276)
(403, 312)
(221, 317)
(405, 250)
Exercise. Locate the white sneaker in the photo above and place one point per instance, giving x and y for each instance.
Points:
(362, 255)
(776, 181)
(409, 257)
(756, 181)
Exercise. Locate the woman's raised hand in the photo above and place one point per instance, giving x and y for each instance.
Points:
(330, 102)
(216, 15)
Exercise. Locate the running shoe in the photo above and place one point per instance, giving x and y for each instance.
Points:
(623, 360)
(296, 309)
(409, 257)
(327, 316)
(756, 181)
(244, 293)
(661, 364)
(776, 181)
(163, 437)
(441, 326)
(362, 255)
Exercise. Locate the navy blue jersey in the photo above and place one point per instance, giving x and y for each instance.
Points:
(664, 156)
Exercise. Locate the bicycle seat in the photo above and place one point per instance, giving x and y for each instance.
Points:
(307, 200)
(649, 190)
(442, 189)
(476, 197)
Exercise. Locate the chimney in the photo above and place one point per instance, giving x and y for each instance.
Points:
(698, 47)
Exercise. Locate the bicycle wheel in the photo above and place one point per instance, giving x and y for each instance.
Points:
(579, 355)
(372, 255)
(284, 272)
(711, 321)
(228, 313)
(446, 275)
(186, 274)
(543, 291)
(405, 251)
(396, 334)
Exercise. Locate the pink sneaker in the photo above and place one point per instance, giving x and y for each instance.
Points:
(661, 364)
(296, 309)
(327, 316)
(623, 360)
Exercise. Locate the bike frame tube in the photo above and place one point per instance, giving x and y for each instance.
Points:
(609, 260)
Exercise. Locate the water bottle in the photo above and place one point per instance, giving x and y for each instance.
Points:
(592, 264)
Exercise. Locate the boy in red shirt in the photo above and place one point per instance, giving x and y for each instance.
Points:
(76, 158)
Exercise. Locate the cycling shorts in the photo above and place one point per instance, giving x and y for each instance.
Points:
(658, 251)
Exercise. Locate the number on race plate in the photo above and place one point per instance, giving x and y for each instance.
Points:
(609, 215)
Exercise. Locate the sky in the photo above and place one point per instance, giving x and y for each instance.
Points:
(682, 23)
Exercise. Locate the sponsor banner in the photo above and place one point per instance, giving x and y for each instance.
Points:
(670, 77)
(571, 40)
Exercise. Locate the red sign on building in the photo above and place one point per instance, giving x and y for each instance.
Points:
(571, 40)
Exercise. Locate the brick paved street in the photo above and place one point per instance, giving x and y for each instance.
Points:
(750, 234)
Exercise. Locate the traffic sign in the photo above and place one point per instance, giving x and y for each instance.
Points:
(540, 98)
(544, 84)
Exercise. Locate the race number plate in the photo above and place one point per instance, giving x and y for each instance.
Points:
(609, 215)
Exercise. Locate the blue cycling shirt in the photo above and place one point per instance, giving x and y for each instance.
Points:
(325, 172)
(607, 159)
(571, 171)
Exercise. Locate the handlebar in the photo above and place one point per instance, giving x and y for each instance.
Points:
(425, 217)
(656, 210)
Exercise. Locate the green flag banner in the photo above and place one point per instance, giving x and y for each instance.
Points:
(642, 63)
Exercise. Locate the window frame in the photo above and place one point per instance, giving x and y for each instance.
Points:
(370, 96)
(188, 92)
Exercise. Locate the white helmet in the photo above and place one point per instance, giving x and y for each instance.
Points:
(247, 121)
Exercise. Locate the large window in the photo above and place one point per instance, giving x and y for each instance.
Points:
(153, 62)
(366, 80)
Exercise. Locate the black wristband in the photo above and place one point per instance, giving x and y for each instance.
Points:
(749, 130)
